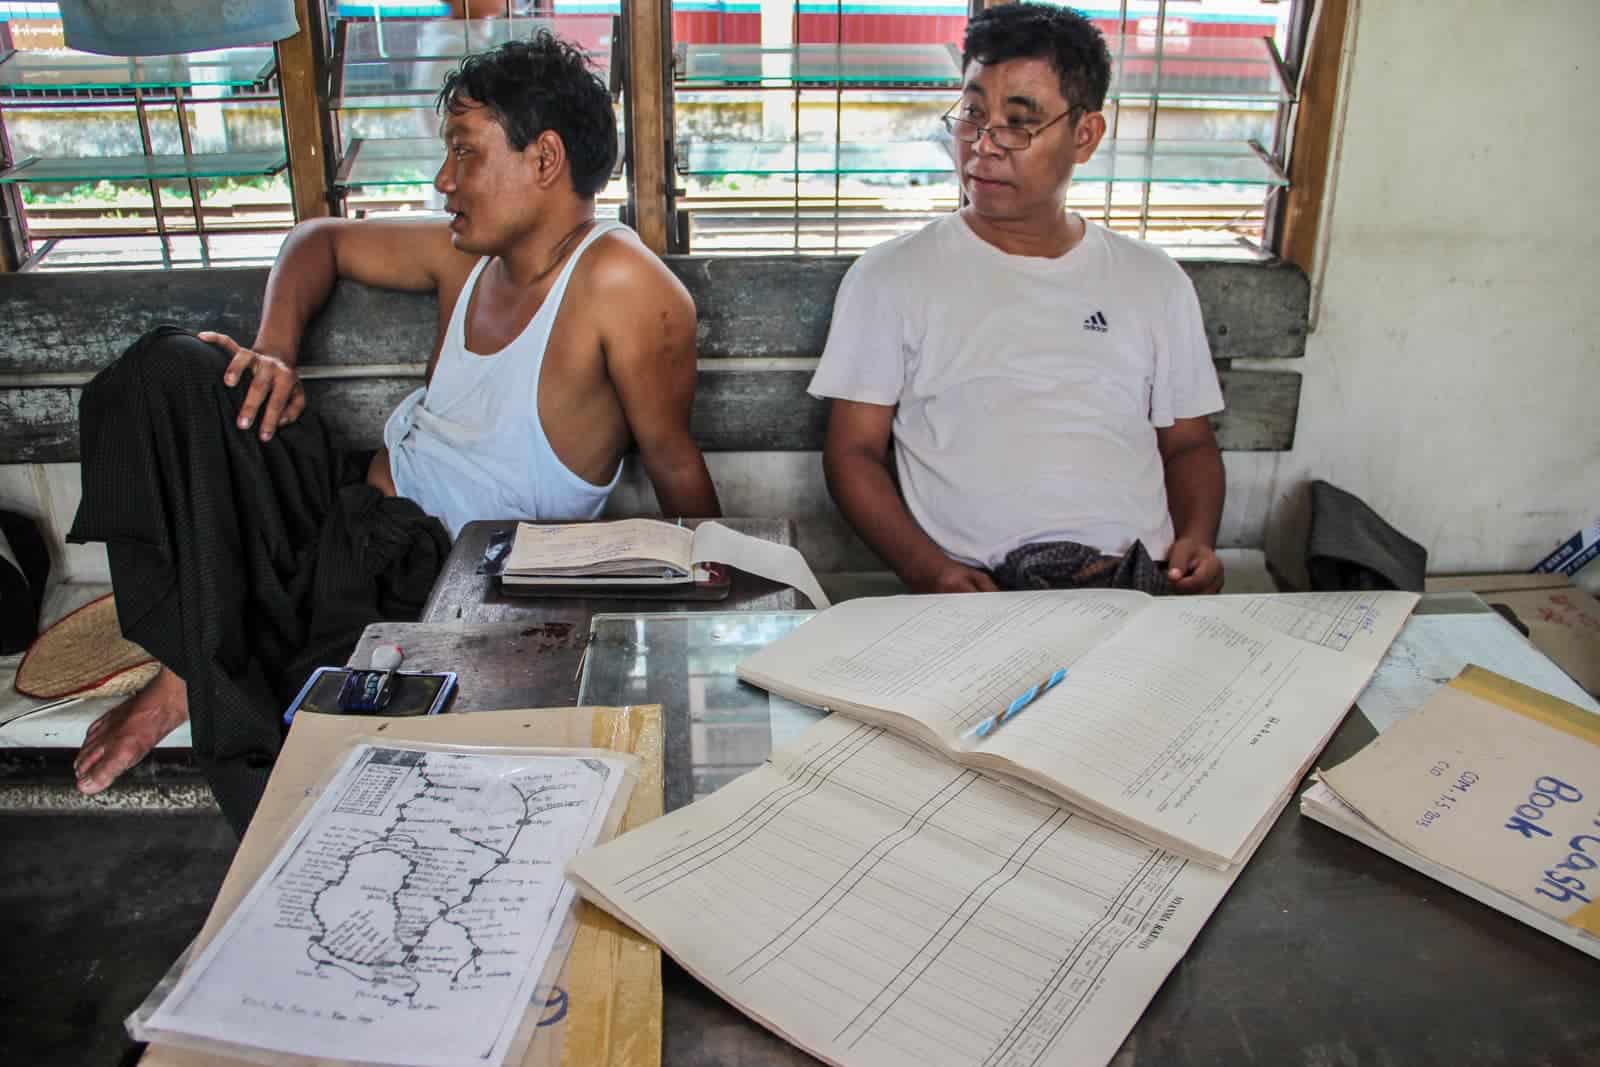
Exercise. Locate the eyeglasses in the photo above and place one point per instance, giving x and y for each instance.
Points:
(1006, 138)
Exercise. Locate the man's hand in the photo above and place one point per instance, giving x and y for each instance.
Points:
(274, 383)
(1195, 486)
(955, 577)
(1193, 567)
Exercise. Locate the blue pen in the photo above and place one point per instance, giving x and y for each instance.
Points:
(993, 722)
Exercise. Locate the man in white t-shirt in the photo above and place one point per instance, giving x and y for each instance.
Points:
(1045, 381)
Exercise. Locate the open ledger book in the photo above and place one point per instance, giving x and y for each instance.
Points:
(878, 906)
(628, 551)
(1185, 722)
(646, 557)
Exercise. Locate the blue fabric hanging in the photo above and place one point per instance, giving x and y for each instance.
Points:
(161, 27)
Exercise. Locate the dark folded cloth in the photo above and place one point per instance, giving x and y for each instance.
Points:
(239, 565)
(1069, 565)
(1350, 546)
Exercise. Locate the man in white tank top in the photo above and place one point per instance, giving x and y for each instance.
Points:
(1045, 382)
(562, 342)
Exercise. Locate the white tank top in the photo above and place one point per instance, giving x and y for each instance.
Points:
(469, 445)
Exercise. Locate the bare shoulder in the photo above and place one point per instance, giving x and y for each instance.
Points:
(619, 271)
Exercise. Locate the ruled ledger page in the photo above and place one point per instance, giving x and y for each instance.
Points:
(944, 662)
(1183, 721)
(876, 904)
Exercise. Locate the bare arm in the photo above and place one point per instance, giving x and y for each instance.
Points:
(651, 360)
(855, 458)
(315, 255)
(389, 255)
(1195, 485)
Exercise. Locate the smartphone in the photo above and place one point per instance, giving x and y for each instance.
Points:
(412, 692)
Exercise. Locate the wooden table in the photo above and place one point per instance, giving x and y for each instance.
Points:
(1324, 951)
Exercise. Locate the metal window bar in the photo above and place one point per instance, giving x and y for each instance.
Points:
(1154, 109)
(808, 217)
(14, 243)
(1290, 69)
(819, 221)
(155, 187)
(14, 231)
(1116, 113)
(1273, 157)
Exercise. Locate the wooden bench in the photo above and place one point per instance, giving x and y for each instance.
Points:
(763, 322)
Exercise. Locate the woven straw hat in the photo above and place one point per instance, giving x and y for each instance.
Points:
(85, 654)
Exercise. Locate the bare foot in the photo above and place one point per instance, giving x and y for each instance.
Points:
(125, 735)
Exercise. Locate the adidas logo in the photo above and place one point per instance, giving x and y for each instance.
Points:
(1096, 322)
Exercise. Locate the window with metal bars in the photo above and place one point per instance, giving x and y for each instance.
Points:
(387, 62)
(179, 161)
(812, 126)
(110, 162)
(802, 126)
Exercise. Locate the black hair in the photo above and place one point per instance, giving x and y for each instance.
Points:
(1073, 45)
(543, 83)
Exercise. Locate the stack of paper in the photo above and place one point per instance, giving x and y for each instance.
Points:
(879, 906)
(1492, 788)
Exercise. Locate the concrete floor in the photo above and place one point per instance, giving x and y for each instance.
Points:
(93, 909)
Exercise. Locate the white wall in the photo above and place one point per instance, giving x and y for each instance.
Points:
(1451, 380)
(49, 493)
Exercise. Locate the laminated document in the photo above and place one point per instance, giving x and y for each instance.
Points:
(411, 915)
(1432, 649)
(604, 1010)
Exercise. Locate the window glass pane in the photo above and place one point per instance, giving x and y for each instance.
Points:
(813, 126)
(99, 158)
(1187, 73)
(393, 58)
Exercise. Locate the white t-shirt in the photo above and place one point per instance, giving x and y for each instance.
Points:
(1029, 389)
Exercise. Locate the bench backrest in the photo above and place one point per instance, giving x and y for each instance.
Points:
(763, 322)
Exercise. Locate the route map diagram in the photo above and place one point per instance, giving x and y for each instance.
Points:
(410, 917)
